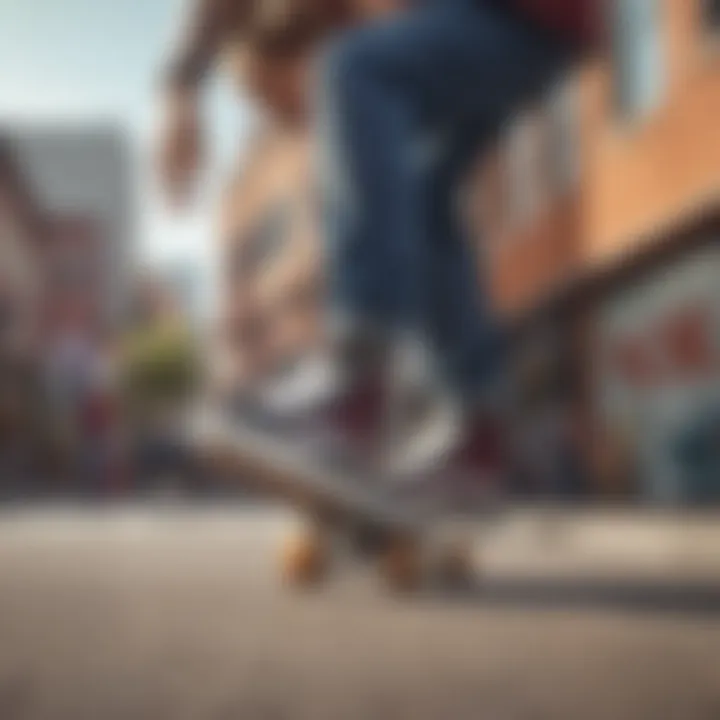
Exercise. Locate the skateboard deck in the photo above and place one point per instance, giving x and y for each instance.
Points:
(336, 504)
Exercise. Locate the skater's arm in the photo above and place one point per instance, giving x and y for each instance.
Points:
(211, 24)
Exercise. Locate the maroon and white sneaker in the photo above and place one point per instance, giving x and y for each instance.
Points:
(310, 384)
(430, 422)
(348, 428)
(334, 401)
(468, 477)
(424, 421)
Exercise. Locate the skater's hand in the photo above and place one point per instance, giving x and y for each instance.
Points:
(180, 145)
(369, 9)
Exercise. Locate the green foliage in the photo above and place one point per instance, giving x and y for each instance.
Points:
(159, 365)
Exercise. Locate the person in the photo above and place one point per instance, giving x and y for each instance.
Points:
(272, 57)
(269, 39)
(404, 105)
(99, 426)
(407, 106)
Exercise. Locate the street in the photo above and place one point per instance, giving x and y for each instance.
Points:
(180, 614)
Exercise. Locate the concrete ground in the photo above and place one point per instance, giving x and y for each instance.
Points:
(152, 614)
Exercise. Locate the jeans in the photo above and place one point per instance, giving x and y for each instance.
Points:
(404, 107)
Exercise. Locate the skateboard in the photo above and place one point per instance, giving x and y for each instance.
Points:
(343, 513)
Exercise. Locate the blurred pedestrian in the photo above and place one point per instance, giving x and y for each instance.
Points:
(100, 461)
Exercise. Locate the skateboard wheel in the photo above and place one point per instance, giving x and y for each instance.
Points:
(304, 559)
(367, 541)
(401, 565)
(455, 565)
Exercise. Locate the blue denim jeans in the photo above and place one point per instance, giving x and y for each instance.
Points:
(405, 105)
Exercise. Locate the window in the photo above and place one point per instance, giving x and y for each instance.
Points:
(563, 151)
(7, 318)
(73, 273)
(638, 56)
(484, 208)
(15, 254)
(521, 168)
(711, 15)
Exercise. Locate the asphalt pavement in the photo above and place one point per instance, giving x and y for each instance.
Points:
(180, 614)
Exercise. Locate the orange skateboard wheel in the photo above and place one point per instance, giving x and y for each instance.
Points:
(402, 564)
(305, 558)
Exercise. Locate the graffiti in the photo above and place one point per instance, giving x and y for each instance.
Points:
(679, 347)
(697, 453)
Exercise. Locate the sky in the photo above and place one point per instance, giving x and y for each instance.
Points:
(99, 60)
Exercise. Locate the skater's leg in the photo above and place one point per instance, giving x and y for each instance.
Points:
(468, 337)
(387, 89)
(436, 408)
(407, 102)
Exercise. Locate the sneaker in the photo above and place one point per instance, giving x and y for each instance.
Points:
(318, 380)
(425, 420)
(468, 477)
(432, 425)
(308, 385)
(334, 400)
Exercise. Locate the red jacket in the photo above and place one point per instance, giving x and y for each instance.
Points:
(580, 22)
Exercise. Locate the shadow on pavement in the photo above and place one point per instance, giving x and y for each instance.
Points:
(694, 600)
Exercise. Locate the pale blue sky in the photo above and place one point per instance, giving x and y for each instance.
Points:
(98, 59)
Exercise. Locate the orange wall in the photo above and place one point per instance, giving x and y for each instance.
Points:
(636, 176)
(525, 265)
(654, 172)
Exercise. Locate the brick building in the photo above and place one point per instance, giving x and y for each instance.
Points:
(79, 178)
(599, 216)
(20, 238)
(20, 306)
